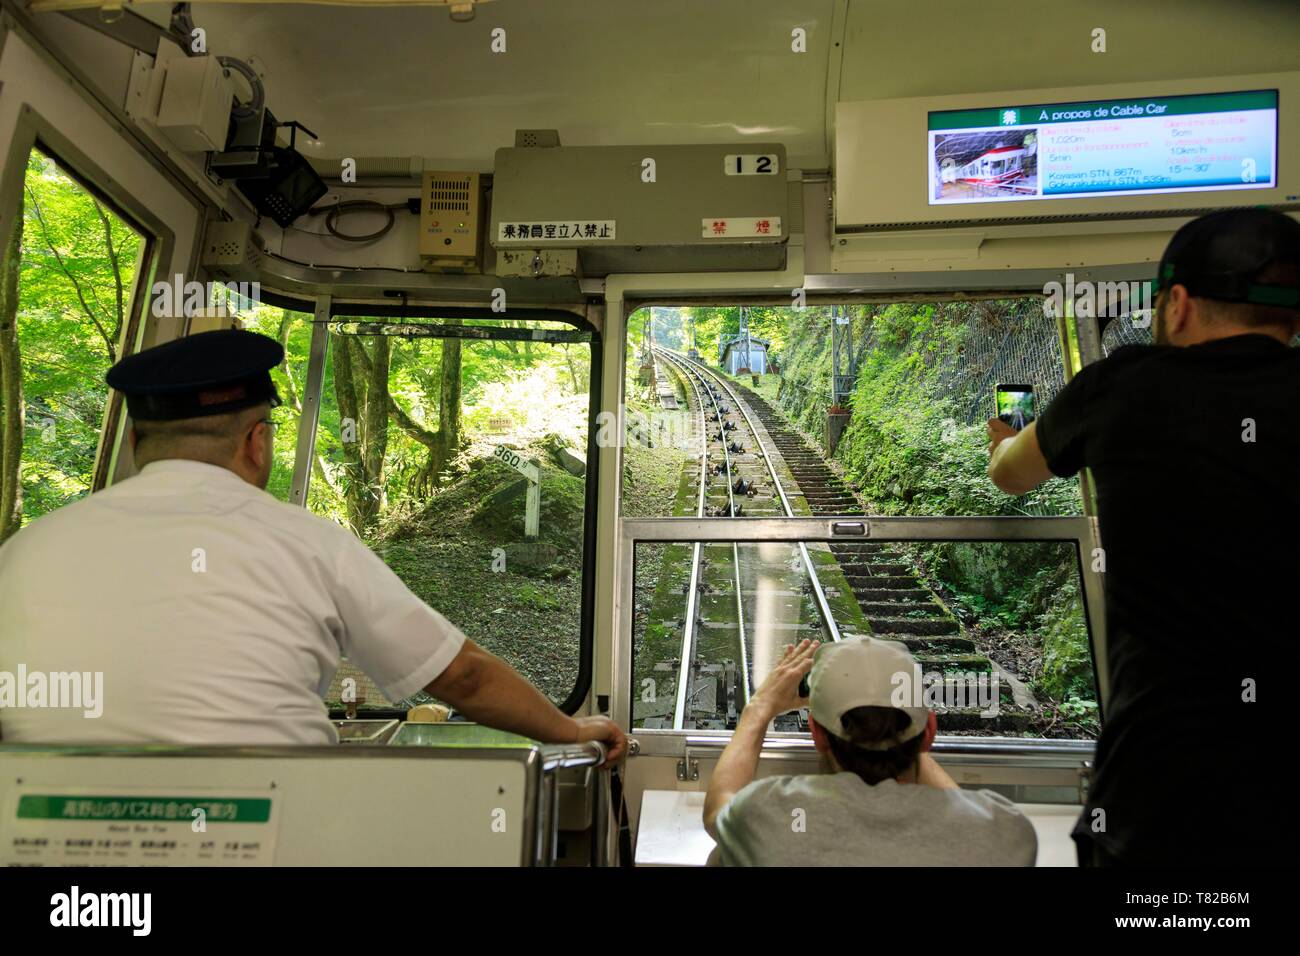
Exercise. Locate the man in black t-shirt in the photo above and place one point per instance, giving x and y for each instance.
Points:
(1194, 448)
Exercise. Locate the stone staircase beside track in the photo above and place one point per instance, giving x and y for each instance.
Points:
(895, 601)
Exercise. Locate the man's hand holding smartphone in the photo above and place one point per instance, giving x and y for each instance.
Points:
(999, 431)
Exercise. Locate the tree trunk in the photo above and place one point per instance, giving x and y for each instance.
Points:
(355, 481)
(573, 374)
(119, 314)
(375, 444)
(528, 343)
(448, 405)
(11, 383)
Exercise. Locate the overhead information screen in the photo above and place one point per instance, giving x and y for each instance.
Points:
(1213, 141)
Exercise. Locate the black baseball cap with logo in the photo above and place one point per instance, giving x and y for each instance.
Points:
(205, 374)
(1222, 255)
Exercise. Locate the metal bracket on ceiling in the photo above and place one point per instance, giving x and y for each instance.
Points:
(128, 27)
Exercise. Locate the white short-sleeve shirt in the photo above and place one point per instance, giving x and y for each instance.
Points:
(216, 614)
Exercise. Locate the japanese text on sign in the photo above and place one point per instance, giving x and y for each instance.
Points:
(730, 227)
(598, 230)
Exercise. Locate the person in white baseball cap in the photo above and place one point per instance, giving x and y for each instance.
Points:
(880, 800)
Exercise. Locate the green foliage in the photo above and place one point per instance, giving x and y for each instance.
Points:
(910, 453)
(539, 597)
(513, 392)
(673, 327)
(1067, 660)
(806, 368)
(78, 272)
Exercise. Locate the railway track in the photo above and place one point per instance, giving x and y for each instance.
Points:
(725, 649)
(746, 600)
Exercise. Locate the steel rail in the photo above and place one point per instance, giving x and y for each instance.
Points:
(685, 655)
(692, 376)
(819, 596)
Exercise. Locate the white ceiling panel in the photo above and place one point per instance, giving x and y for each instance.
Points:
(410, 82)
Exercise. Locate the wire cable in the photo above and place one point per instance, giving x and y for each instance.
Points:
(343, 207)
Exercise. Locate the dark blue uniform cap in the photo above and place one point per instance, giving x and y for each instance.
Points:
(1221, 256)
(206, 374)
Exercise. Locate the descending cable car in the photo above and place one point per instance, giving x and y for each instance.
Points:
(999, 165)
(489, 237)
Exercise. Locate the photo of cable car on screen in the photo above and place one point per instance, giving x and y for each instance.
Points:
(1001, 164)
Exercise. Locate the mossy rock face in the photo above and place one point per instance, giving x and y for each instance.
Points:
(1067, 659)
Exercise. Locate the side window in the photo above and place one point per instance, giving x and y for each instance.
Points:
(458, 454)
(69, 271)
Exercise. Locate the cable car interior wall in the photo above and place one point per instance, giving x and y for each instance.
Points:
(566, 176)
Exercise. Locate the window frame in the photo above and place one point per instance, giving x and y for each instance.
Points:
(1076, 530)
(324, 309)
(146, 264)
(856, 289)
(56, 106)
(33, 133)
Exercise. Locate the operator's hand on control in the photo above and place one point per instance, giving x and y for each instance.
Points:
(779, 692)
(999, 431)
(607, 732)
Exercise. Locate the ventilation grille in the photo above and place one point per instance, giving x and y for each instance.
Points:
(449, 195)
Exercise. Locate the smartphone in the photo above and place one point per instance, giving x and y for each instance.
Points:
(1015, 404)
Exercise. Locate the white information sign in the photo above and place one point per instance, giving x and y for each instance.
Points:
(57, 826)
(533, 472)
(557, 230)
(751, 164)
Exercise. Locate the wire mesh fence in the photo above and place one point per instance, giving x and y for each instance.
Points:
(1121, 331)
(1000, 341)
(969, 349)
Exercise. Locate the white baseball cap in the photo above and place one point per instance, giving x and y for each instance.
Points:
(864, 672)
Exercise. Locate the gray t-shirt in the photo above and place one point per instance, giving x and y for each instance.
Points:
(839, 820)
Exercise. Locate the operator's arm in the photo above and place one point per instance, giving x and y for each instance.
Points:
(405, 646)
(1016, 462)
(739, 761)
(489, 691)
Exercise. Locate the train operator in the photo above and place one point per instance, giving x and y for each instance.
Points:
(1194, 448)
(883, 801)
(217, 614)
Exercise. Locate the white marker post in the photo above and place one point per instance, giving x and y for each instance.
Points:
(533, 472)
